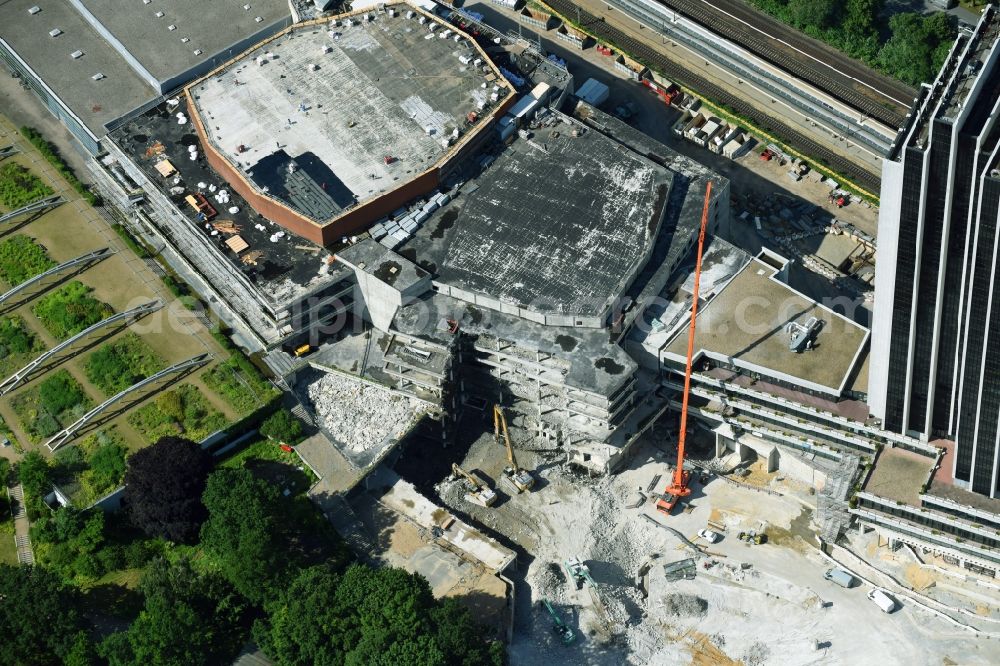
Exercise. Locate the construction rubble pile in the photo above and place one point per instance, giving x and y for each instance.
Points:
(361, 416)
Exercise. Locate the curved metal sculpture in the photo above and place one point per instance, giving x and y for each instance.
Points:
(90, 257)
(40, 205)
(66, 434)
(15, 380)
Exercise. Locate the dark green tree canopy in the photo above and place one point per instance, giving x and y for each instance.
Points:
(369, 617)
(164, 483)
(243, 531)
(187, 619)
(39, 619)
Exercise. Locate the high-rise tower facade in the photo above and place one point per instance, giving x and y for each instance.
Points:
(935, 354)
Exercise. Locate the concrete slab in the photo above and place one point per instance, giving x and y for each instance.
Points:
(899, 475)
(745, 324)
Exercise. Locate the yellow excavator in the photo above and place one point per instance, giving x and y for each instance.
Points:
(521, 479)
(479, 493)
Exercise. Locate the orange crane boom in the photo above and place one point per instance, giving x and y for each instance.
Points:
(678, 487)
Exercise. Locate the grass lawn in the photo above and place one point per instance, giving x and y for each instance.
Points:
(269, 461)
(180, 411)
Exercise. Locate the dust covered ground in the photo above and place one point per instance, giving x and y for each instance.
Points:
(753, 605)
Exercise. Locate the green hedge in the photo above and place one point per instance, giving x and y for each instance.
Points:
(51, 154)
(132, 244)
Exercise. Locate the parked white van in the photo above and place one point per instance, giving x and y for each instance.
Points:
(882, 599)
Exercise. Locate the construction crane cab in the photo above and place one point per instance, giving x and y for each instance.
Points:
(679, 486)
(478, 492)
(520, 479)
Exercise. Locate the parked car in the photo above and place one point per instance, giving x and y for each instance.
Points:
(709, 535)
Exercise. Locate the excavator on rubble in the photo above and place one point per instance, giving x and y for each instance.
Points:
(478, 492)
(679, 487)
(520, 478)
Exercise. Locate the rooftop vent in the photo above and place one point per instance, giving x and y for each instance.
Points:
(76, 54)
(55, 32)
(171, 27)
(146, 2)
(197, 51)
(258, 19)
(185, 40)
(158, 14)
(98, 76)
(34, 10)
(246, 7)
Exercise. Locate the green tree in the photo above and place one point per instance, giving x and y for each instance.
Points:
(367, 616)
(35, 475)
(918, 46)
(282, 426)
(819, 14)
(68, 540)
(243, 532)
(107, 467)
(187, 619)
(39, 619)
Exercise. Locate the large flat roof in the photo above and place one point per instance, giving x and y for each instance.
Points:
(158, 42)
(94, 102)
(559, 223)
(745, 324)
(381, 107)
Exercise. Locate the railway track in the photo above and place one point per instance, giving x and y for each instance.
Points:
(846, 79)
(860, 176)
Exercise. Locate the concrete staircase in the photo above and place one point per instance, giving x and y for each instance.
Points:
(25, 554)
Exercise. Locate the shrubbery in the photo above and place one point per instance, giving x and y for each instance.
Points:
(183, 411)
(240, 382)
(19, 187)
(52, 156)
(282, 426)
(120, 364)
(69, 310)
(44, 409)
(21, 258)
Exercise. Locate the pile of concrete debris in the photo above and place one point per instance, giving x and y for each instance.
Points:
(360, 415)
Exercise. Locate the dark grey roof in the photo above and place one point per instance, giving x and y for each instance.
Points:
(94, 102)
(558, 224)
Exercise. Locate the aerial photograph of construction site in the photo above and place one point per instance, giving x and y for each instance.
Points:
(499, 332)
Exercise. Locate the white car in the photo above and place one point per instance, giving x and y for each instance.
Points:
(709, 535)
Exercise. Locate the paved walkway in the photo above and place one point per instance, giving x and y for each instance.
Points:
(21, 524)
